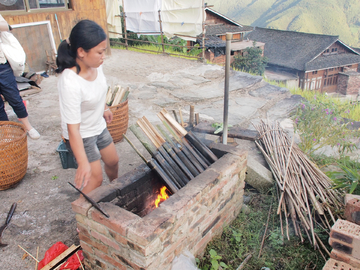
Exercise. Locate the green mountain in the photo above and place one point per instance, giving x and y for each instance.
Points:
(330, 17)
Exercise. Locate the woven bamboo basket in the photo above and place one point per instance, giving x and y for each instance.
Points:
(119, 124)
(13, 153)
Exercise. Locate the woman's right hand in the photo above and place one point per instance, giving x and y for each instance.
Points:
(83, 174)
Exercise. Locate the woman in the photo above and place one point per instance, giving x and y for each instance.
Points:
(8, 88)
(84, 113)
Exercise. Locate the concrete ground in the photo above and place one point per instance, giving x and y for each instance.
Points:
(43, 215)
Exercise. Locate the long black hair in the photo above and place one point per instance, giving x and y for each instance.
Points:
(85, 34)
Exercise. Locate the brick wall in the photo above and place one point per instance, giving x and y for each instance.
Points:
(189, 219)
(348, 83)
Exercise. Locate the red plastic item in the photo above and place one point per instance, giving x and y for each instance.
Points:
(72, 263)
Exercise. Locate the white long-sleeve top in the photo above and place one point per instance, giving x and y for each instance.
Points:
(3, 27)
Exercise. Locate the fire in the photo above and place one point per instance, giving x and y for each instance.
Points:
(161, 197)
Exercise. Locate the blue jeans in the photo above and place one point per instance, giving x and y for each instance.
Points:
(8, 88)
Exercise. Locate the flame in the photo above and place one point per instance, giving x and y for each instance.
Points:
(161, 197)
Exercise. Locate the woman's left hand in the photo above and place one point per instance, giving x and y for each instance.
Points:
(108, 116)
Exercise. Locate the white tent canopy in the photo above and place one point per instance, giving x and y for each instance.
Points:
(182, 17)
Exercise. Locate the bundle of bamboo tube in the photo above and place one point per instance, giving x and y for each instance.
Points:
(116, 95)
(175, 159)
(305, 192)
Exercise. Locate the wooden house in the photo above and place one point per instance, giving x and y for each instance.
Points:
(216, 27)
(40, 25)
(318, 61)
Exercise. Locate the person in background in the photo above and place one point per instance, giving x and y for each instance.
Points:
(9, 90)
(82, 90)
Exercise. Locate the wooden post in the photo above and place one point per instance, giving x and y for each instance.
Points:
(161, 33)
(203, 31)
(197, 118)
(192, 116)
(125, 32)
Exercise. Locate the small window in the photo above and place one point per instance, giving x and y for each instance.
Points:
(325, 82)
(7, 5)
(335, 49)
(332, 50)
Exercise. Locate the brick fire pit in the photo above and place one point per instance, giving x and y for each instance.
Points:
(139, 236)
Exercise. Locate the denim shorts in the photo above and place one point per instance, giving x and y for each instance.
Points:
(94, 144)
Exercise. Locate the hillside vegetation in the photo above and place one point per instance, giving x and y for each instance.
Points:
(330, 17)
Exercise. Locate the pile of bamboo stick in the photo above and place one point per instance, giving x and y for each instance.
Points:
(116, 95)
(178, 157)
(305, 192)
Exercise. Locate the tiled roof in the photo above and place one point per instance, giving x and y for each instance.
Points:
(330, 61)
(215, 30)
(213, 41)
(298, 50)
(221, 29)
(356, 49)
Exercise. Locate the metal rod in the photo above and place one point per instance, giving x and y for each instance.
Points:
(226, 90)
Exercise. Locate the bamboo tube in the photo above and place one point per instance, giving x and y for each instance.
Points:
(192, 116)
(152, 164)
(192, 152)
(158, 157)
(184, 149)
(172, 147)
(156, 138)
(197, 118)
(190, 136)
(175, 116)
(181, 118)
(177, 160)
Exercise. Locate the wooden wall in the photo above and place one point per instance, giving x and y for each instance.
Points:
(80, 9)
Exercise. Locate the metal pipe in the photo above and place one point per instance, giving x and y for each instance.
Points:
(226, 90)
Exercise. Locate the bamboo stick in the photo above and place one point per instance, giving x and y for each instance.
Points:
(152, 164)
(158, 157)
(169, 143)
(306, 192)
(156, 138)
(176, 136)
(28, 253)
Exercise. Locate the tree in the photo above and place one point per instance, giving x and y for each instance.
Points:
(252, 61)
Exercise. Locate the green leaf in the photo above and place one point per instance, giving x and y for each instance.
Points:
(223, 265)
(353, 187)
(215, 264)
(212, 253)
(218, 130)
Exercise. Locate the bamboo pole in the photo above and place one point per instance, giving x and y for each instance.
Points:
(169, 143)
(161, 32)
(158, 141)
(152, 164)
(194, 160)
(306, 192)
(158, 157)
(125, 31)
